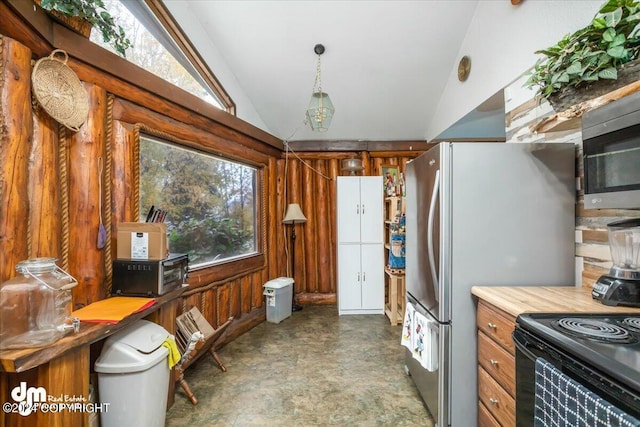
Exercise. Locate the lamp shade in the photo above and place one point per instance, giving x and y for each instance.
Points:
(320, 111)
(294, 214)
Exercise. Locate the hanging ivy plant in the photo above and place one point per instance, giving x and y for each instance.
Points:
(594, 52)
(94, 12)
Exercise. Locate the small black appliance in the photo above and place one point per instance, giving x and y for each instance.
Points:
(622, 285)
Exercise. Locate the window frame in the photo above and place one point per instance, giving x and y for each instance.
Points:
(179, 37)
(237, 266)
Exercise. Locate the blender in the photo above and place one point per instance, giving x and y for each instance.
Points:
(622, 285)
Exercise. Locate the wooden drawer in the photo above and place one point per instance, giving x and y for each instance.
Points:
(497, 362)
(496, 326)
(501, 405)
(485, 419)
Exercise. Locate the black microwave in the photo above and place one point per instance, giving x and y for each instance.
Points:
(150, 278)
(611, 154)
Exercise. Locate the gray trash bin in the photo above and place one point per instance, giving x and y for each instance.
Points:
(133, 376)
(279, 293)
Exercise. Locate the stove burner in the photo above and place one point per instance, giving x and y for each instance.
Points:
(631, 323)
(594, 329)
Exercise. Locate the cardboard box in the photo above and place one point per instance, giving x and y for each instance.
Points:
(142, 240)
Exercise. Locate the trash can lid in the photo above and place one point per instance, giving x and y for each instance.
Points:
(280, 282)
(135, 348)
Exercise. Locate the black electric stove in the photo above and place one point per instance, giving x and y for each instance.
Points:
(610, 343)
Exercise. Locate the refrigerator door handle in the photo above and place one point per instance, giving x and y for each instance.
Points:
(432, 211)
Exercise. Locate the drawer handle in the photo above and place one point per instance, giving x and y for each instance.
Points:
(491, 326)
(493, 401)
(493, 362)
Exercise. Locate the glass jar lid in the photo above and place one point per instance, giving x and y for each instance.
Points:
(36, 265)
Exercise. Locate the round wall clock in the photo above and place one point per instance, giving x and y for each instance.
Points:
(464, 67)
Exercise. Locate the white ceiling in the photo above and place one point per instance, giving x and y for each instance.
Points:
(385, 66)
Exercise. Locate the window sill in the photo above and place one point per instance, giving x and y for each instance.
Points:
(226, 271)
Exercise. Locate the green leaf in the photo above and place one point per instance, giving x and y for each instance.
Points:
(609, 35)
(608, 73)
(590, 76)
(618, 40)
(617, 52)
(574, 68)
(563, 78)
(603, 59)
(613, 18)
(609, 6)
(599, 23)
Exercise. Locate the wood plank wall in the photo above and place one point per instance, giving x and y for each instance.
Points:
(523, 113)
(311, 182)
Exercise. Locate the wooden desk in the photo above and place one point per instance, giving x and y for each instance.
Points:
(63, 368)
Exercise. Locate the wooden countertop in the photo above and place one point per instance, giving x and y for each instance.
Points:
(28, 358)
(515, 300)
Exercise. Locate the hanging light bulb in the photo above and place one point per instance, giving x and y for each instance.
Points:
(320, 110)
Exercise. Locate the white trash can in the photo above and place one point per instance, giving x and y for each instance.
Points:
(279, 297)
(133, 376)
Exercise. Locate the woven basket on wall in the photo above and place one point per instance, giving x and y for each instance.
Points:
(59, 91)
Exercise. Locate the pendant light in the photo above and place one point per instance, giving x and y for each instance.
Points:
(320, 111)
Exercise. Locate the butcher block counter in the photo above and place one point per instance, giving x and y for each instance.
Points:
(516, 300)
(498, 307)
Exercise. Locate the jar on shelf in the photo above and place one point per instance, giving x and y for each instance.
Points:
(35, 306)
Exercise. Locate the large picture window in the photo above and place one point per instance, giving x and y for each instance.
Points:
(210, 202)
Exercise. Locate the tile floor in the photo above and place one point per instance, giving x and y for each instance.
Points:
(313, 369)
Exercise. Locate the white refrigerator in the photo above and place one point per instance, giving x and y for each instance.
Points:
(481, 214)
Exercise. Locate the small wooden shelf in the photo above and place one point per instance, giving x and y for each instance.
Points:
(395, 303)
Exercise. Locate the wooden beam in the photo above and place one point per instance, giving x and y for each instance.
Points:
(319, 145)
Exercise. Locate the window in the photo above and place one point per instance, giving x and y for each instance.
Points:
(210, 202)
(167, 54)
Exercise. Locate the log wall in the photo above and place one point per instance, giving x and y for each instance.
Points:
(53, 179)
(523, 116)
(311, 182)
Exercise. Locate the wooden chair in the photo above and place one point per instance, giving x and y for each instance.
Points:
(194, 337)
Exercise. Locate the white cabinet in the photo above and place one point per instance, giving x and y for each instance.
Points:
(360, 245)
(360, 209)
(360, 279)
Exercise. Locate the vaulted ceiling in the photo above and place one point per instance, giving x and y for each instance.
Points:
(386, 65)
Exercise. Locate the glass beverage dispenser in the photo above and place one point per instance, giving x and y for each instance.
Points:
(35, 306)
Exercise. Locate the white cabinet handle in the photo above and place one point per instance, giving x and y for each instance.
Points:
(363, 209)
(493, 362)
(358, 276)
(358, 209)
(491, 325)
(493, 401)
(364, 276)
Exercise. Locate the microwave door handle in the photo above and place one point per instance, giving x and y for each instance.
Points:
(432, 211)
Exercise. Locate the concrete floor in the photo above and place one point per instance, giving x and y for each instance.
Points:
(313, 369)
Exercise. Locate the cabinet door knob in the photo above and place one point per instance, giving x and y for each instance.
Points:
(363, 209)
(358, 209)
(491, 325)
(364, 276)
(358, 276)
(493, 401)
(493, 362)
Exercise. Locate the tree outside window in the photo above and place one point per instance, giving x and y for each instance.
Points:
(210, 201)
